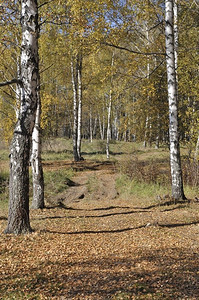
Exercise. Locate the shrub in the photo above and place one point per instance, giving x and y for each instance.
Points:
(145, 171)
(4, 179)
(190, 169)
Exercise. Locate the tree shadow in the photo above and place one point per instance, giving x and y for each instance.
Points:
(93, 216)
(179, 204)
(92, 165)
(166, 203)
(102, 153)
(62, 205)
(92, 231)
(153, 224)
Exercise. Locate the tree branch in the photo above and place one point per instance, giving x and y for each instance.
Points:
(133, 51)
(17, 81)
(47, 2)
(44, 70)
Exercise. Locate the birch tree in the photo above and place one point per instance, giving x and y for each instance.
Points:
(108, 135)
(75, 77)
(18, 216)
(79, 113)
(175, 161)
(36, 163)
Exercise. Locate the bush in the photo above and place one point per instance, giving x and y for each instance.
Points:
(57, 181)
(190, 169)
(4, 179)
(145, 171)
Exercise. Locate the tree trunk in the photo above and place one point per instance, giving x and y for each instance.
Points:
(157, 140)
(108, 137)
(175, 162)
(197, 149)
(91, 125)
(146, 132)
(75, 109)
(100, 128)
(37, 170)
(79, 121)
(18, 216)
(175, 30)
(109, 126)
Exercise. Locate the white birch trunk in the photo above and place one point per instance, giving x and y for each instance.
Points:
(175, 28)
(157, 140)
(37, 169)
(176, 172)
(146, 132)
(197, 149)
(91, 126)
(79, 118)
(18, 216)
(108, 136)
(75, 109)
(100, 128)
(95, 127)
(109, 126)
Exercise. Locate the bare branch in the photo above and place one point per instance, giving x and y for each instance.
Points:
(47, 2)
(133, 51)
(13, 81)
(46, 68)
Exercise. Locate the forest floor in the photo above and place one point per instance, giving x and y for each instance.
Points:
(90, 242)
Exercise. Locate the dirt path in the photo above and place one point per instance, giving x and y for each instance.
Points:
(93, 182)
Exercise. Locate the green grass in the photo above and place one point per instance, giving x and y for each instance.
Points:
(140, 190)
(4, 154)
(92, 183)
(4, 179)
(56, 181)
(57, 149)
(51, 155)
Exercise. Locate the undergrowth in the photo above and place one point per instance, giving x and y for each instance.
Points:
(56, 181)
(4, 180)
(127, 186)
(150, 178)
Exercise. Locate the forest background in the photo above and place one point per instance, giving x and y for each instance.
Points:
(136, 81)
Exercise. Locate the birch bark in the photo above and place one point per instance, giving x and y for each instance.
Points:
(175, 162)
(18, 216)
(79, 117)
(37, 170)
(109, 126)
(108, 137)
(75, 109)
(197, 149)
(91, 125)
